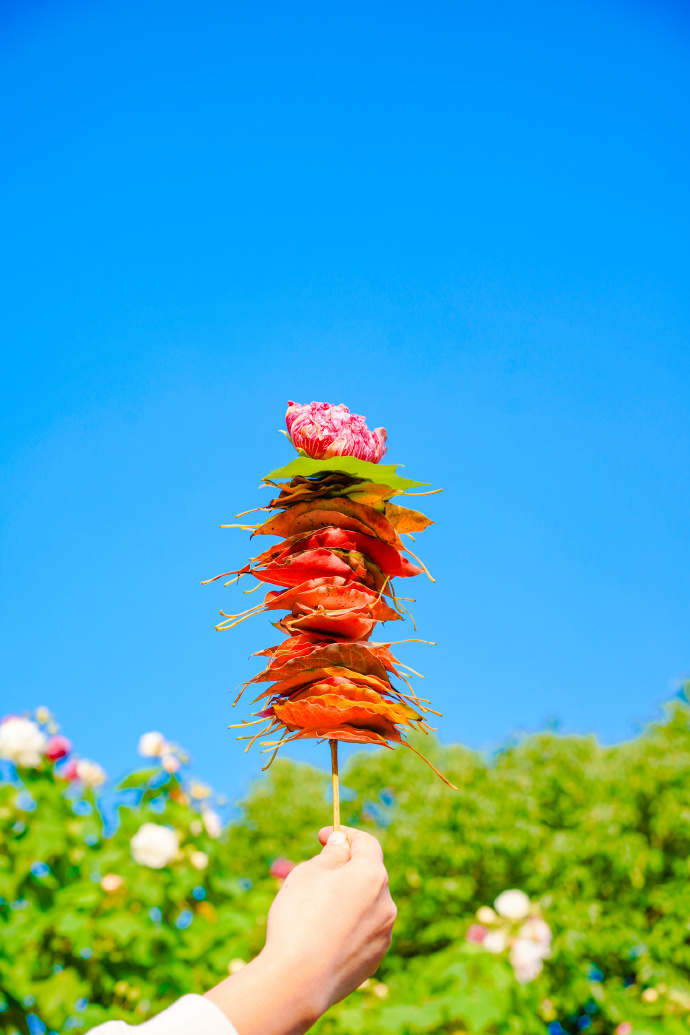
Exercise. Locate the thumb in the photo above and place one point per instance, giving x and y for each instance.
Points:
(336, 852)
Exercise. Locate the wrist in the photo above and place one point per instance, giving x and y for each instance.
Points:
(272, 995)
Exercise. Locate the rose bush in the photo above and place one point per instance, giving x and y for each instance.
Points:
(21, 741)
(582, 849)
(517, 924)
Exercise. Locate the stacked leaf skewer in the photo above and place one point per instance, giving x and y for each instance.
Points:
(340, 549)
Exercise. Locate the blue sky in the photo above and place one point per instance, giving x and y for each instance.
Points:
(467, 222)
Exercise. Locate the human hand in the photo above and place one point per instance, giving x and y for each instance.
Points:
(328, 929)
(334, 915)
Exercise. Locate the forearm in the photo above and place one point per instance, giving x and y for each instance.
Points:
(267, 997)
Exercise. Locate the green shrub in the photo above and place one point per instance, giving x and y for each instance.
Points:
(597, 837)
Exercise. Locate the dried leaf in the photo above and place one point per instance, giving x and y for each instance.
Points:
(405, 520)
(335, 595)
(315, 675)
(349, 734)
(302, 657)
(338, 511)
(334, 710)
(352, 626)
(294, 569)
(308, 554)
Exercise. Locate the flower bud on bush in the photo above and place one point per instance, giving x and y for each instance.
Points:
(57, 747)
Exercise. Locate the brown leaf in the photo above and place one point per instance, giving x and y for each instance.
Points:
(338, 511)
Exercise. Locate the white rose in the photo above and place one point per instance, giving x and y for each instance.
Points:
(526, 958)
(495, 942)
(486, 915)
(513, 905)
(151, 744)
(21, 741)
(538, 931)
(199, 860)
(212, 822)
(90, 773)
(154, 845)
(170, 763)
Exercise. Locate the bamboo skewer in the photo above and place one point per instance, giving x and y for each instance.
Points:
(336, 784)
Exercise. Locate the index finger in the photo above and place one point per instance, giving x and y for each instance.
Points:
(361, 843)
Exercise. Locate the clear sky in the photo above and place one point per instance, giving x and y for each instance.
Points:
(469, 222)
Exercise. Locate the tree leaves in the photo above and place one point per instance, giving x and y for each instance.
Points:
(600, 836)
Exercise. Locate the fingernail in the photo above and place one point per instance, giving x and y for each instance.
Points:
(338, 837)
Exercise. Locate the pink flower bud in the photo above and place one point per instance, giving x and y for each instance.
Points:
(69, 772)
(476, 933)
(57, 747)
(323, 431)
(281, 867)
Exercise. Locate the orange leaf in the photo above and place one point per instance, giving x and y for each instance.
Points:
(330, 710)
(318, 674)
(356, 625)
(348, 734)
(355, 657)
(330, 595)
(405, 520)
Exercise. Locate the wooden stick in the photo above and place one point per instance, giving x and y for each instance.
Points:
(336, 784)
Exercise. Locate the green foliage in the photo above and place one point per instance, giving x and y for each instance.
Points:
(598, 838)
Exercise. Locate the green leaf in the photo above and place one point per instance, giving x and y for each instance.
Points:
(379, 474)
(417, 1018)
(123, 927)
(138, 779)
(478, 1008)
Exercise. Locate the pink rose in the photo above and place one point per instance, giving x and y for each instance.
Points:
(476, 933)
(57, 747)
(281, 867)
(323, 431)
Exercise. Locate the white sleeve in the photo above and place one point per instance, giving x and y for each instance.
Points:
(190, 1015)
